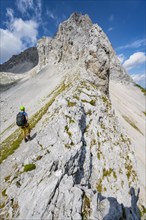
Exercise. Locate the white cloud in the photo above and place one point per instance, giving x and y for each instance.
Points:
(110, 29)
(51, 15)
(9, 13)
(58, 20)
(19, 35)
(139, 79)
(121, 57)
(25, 29)
(135, 44)
(38, 11)
(134, 60)
(111, 18)
(24, 5)
(31, 8)
(10, 45)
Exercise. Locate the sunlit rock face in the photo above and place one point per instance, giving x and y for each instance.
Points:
(80, 162)
(80, 41)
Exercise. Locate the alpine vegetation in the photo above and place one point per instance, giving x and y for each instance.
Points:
(81, 161)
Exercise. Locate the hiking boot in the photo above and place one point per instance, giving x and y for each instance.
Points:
(25, 139)
(28, 137)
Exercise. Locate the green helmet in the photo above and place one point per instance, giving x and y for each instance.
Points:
(22, 108)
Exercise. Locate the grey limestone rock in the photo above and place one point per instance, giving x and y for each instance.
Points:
(80, 41)
(84, 161)
(78, 162)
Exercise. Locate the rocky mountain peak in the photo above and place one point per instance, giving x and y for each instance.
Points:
(77, 20)
(80, 163)
(78, 41)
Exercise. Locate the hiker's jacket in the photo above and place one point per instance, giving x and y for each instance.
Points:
(25, 114)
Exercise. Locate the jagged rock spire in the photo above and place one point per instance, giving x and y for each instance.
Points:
(78, 41)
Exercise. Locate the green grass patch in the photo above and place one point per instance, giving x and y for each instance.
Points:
(2, 205)
(67, 130)
(93, 142)
(86, 207)
(29, 167)
(83, 100)
(114, 174)
(105, 99)
(7, 178)
(39, 114)
(4, 192)
(87, 128)
(71, 104)
(107, 172)
(76, 97)
(106, 102)
(131, 123)
(98, 155)
(39, 157)
(93, 102)
(68, 146)
(122, 138)
(142, 89)
(11, 143)
(105, 189)
(130, 172)
(89, 112)
(102, 126)
(70, 119)
(15, 207)
(142, 210)
(99, 186)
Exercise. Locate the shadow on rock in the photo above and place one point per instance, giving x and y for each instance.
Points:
(34, 135)
(82, 124)
(119, 211)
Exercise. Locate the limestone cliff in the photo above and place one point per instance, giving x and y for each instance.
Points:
(80, 41)
(80, 163)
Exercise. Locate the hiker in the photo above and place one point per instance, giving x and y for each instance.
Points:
(22, 121)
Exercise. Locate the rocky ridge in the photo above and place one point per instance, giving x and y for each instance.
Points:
(79, 40)
(75, 154)
(80, 163)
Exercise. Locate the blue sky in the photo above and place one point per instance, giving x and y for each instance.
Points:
(23, 22)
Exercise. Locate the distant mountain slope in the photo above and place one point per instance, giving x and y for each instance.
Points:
(129, 104)
(22, 62)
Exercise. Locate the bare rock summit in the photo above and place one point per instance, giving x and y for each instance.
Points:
(79, 41)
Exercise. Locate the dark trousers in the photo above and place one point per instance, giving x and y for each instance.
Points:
(25, 130)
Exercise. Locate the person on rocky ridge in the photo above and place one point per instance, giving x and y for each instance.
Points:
(22, 121)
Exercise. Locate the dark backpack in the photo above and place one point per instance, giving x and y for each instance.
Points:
(21, 119)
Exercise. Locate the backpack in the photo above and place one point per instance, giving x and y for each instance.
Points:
(21, 119)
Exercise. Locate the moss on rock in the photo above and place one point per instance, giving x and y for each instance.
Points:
(29, 167)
